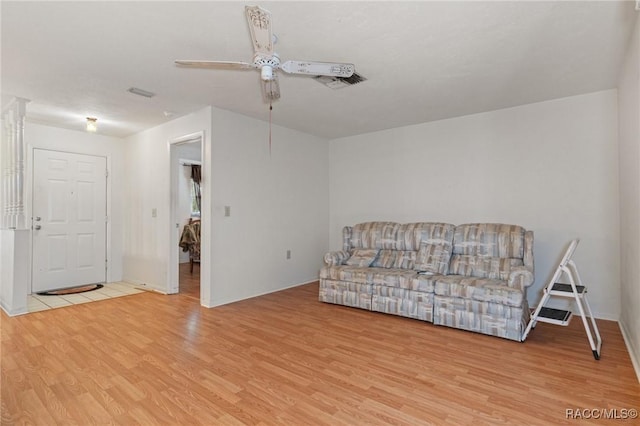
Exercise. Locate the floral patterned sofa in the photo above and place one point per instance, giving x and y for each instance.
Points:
(472, 276)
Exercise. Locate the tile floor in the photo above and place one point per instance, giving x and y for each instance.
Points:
(36, 303)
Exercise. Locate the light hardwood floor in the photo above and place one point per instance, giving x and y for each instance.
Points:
(189, 282)
(285, 358)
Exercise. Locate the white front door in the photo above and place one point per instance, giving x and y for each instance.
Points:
(69, 220)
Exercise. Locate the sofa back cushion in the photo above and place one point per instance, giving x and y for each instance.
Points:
(405, 259)
(398, 259)
(430, 241)
(411, 235)
(497, 268)
(489, 239)
(374, 235)
(386, 259)
(433, 258)
(346, 238)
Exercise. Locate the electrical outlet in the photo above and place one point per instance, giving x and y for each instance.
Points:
(288, 254)
(154, 212)
(227, 211)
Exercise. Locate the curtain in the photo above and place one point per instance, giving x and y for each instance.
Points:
(196, 177)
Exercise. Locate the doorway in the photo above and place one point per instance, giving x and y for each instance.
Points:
(186, 202)
(69, 220)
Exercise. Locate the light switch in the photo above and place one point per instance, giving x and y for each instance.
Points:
(227, 211)
(154, 212)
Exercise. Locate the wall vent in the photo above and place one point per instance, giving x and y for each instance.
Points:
(340, 82)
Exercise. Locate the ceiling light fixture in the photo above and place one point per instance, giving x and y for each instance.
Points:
(92, 125)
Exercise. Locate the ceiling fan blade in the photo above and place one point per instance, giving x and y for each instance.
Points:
(271, 89)
(219, 65)
(259, 21)
(318, 68)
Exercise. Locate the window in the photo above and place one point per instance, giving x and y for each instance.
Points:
(195, 208)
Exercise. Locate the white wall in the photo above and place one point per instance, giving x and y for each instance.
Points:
(551, 167)
(629, 112)
(57, 139)
(278, 202)
(14, 270)
(146, 248)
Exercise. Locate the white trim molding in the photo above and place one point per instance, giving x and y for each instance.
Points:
(12, 153)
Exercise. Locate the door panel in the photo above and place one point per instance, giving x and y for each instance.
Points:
(69, 199)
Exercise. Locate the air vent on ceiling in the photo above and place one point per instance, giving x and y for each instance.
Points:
(340, 82)
(140, 92)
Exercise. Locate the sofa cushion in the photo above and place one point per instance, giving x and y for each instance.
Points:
(374, 235)
(495, 319)
(483, 266)
(433, 258)
(424, 283)
(362, 257)
(385, 259)
(345, 293)
(483, 289)
(405, 259)
(489, 239)
(403, 302)
(354, 274)
(401, 278)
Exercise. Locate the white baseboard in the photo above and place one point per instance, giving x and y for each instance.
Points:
(232, 300)
(635, 357)
(13, 312)
(144, 285)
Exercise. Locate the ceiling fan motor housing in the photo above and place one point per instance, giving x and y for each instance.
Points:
(267, 65)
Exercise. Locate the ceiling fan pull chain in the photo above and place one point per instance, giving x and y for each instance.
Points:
(270, 109)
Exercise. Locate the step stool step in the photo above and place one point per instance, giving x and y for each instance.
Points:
(561, 289)
(554, 316)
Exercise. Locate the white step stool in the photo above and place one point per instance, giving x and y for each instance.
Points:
(575, 290)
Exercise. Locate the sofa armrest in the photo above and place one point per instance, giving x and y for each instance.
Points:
(336, 257)
(520, 277)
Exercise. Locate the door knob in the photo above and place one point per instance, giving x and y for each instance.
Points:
(37, 218)
(37, 227)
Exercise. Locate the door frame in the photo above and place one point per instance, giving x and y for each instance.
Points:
(29, 206)
(173, 258)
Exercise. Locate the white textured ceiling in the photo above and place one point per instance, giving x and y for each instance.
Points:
(424, 61)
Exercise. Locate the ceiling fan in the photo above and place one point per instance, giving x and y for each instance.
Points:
(268, 61)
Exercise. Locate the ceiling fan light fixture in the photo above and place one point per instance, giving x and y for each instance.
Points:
(266, 73)
(92, 124)
(270, 90)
